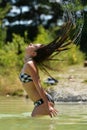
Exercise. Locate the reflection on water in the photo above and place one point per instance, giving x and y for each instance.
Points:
(15, 114)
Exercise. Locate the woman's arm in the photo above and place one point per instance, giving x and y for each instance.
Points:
(34, 74)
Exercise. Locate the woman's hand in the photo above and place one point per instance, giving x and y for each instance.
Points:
(44, 109)
(52, 111)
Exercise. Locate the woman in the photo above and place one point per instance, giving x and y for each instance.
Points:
(37, 55)
(31, 83)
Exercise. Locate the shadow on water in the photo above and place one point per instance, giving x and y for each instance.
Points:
(15, 114)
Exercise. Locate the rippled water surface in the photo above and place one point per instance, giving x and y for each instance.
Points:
(15, 115)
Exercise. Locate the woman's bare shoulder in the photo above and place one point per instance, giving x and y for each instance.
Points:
(31, 68)
(30, 64)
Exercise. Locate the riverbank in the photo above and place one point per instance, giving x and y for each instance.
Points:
(72, 85)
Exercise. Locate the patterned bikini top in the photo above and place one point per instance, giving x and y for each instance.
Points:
(25, 78)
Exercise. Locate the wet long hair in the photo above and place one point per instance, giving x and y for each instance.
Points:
(68, 34)
(62, 42)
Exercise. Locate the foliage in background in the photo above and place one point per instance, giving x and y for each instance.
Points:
(11, 55)
(13, 52)
(44, 36)
(4, 8)
(74, 56)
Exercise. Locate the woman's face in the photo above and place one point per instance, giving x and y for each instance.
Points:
(32, 48)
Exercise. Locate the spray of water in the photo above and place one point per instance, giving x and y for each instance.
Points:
(73, 11)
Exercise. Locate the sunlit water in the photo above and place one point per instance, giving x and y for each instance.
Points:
(15, 115)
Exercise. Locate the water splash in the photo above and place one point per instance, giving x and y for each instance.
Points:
(73, 10)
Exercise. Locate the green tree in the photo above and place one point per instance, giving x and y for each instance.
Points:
(26, 15)
(83, 43)
(4, 8)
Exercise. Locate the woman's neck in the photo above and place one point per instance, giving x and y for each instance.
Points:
(27, 58)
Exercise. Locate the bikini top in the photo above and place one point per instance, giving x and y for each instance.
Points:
(25, 78)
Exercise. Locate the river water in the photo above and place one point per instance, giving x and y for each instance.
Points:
(15, 115)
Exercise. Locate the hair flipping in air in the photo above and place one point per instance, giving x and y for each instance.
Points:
(65, 38)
